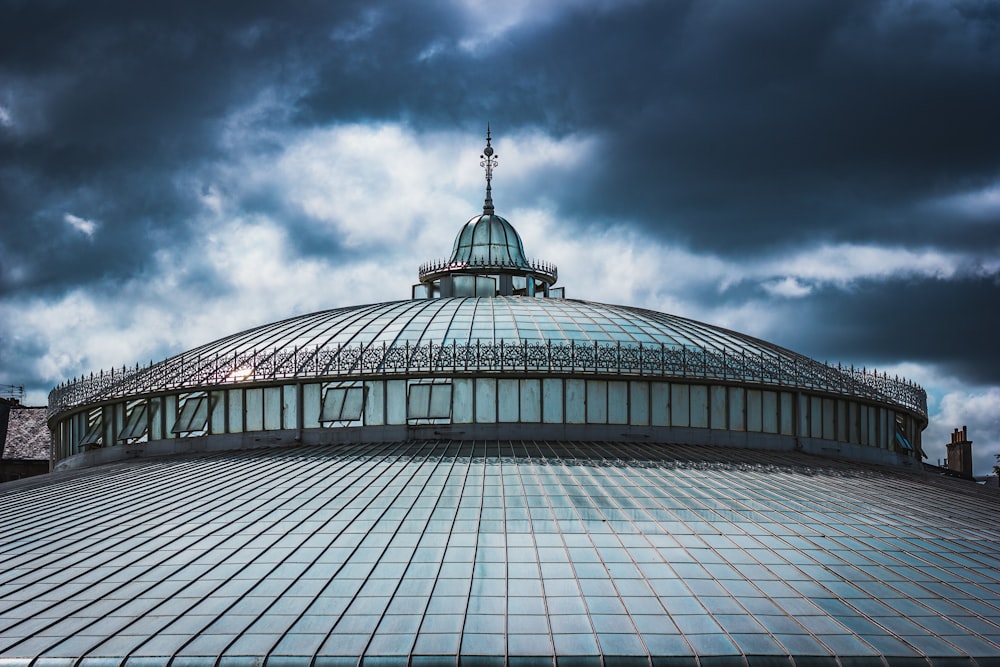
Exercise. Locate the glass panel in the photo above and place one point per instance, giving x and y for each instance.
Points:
(769, 406)
(617, 402)
(255, 409)
(343, 404)
(828, 419)
(552, 401)
(597, 402)
(803, 413)
(737, 419)
(659, 407)
(679, 405)
(575, 401)
(217, 423)
(95, 430)
(754, 410)
(699, 406)
(461, 405)
(440, 407)
(290, 406)
(787, 414)
(486, 286)
(718, 406)
(395, 402)
(639, 403)
(136, 424)
(815, 417)
(155, 419)
(531, 401)
(311, 406)
(272, 408)
(373, 402)
(486, 400)
(194, 415)
(464, 285)
(419, 402)
(509, 401)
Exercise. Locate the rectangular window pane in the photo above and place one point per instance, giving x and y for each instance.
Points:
(531, 401)
(679, 409)
(486, 400)
(194, 415)
(461, 401)
(597, 402)
(659, 408)
(136, 423)
(440, 407)
(552, 401)
(575, 402)
(754, 410)
(699, 406)
(639, 403)
(617, 402)
(509, 401)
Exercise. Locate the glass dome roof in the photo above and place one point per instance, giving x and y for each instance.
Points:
(474, 335)
(482, 335)
(512, 320)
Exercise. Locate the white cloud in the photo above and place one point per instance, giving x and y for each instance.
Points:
(845, 263)
(377, 186)
(786, 287)
(5, 119)
(82, 225)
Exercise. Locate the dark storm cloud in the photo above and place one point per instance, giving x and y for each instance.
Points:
(749, 124)
(730, 129)
(111, 106)
(727, 126)
(947, 324)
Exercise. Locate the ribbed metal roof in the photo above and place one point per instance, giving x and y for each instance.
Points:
(498, 551)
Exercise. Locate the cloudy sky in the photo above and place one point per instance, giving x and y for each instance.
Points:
(825, 175)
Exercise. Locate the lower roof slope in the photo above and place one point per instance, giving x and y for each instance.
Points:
(415, 551)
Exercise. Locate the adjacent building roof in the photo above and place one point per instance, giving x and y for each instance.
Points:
(423, 551)
(28, 436)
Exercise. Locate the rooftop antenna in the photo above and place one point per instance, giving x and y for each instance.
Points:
(12, 392)
(488, 161)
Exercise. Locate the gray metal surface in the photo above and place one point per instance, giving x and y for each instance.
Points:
(409, 552)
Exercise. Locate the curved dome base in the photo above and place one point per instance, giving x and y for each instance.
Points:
(498, 552)
(653, 436)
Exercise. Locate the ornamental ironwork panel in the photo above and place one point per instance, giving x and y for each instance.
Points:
(667, 361)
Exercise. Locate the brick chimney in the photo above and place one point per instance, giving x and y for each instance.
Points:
(960, 452)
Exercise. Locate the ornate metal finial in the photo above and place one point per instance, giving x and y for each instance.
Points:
(488, 161)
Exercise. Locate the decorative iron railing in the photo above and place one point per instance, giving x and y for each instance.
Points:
(435, 267)
(689, 363)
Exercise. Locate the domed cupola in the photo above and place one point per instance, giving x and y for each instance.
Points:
(489, 239)
(488, 257)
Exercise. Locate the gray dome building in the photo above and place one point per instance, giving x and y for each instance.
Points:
(490, 473)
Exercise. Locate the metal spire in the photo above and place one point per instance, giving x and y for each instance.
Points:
(488, 161)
